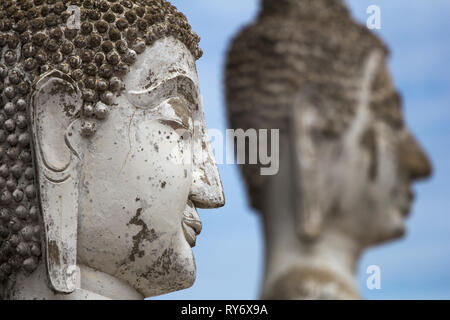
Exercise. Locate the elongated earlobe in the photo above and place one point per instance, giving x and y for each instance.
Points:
(310, 214)
(54, 112)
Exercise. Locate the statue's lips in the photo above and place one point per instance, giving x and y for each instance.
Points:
(191, 228)
(407, 204)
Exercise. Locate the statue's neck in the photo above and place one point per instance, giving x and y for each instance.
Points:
(325, 269)
(92, 285)
(295, 268)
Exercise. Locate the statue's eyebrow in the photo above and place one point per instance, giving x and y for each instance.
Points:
(175, 87)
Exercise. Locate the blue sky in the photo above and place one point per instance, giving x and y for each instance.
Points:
(229, 251)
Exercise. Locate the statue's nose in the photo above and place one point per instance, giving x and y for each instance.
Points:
(206, 190)
(414, 159)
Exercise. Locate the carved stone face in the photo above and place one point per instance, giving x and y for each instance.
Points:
(137, 217)
(378, 176)
(366, 175)
(64, 67)
(347, 160)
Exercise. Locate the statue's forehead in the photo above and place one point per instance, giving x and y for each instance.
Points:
(167, 58)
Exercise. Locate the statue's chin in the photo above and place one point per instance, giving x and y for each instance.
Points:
(172, 271)
(398, 224)
(398, 233)
(396, 230)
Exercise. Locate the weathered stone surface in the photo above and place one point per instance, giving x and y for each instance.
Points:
(97, 190)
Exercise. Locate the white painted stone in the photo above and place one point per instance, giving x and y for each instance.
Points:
(119, 207)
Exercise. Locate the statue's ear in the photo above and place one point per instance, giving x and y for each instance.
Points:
(54, 113)
(303, 122)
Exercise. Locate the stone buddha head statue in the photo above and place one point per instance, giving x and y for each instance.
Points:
(104, 154)
(347, 158)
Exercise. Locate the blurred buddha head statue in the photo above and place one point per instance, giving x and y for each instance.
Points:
(103, 148)
(347, 158)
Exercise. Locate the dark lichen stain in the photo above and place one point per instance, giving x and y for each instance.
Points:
(150, 79)
(173, 124)
(162, 265)
(177, 70)
(144, 234)
(69, 110)
(167, 264)
(181, 111)
(187, 89)
(61, 87)
(205, 179)
(53, 252)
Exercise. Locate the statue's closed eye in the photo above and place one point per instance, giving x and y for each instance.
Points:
(389, 109)
(173, 101)
(180, 86)
(176, 113)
